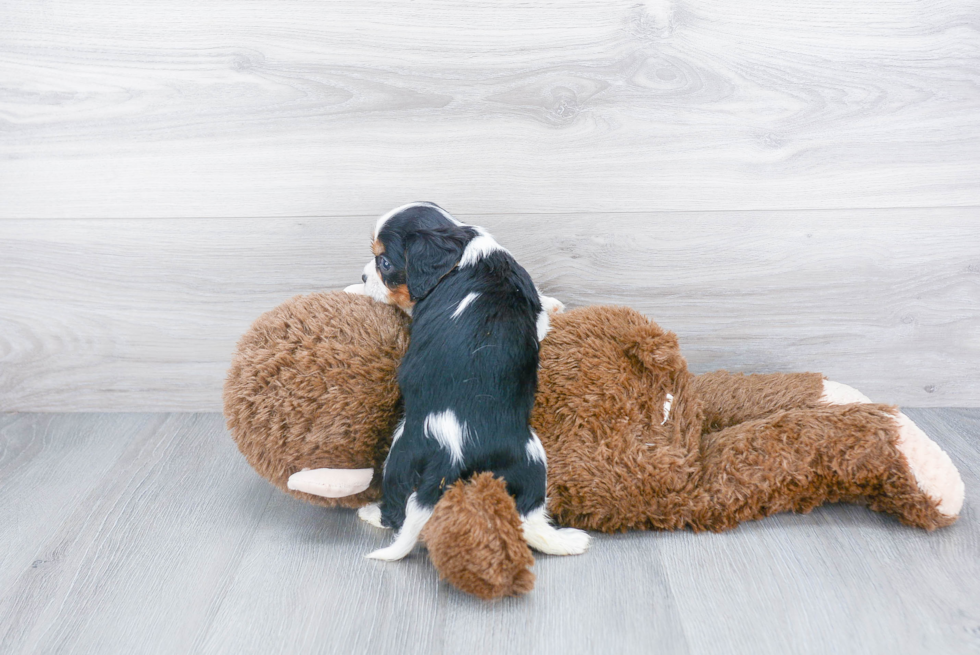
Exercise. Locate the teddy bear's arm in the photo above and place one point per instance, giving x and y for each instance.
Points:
(331, 483)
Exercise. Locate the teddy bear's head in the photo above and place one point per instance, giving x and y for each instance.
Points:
(313, 385)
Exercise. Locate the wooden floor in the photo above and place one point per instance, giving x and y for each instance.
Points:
(148, 533)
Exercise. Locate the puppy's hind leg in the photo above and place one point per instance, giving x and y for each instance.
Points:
(416, 516)
(546, 538)
(527, 482)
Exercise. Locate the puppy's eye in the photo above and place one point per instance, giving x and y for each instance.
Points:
(384, 263)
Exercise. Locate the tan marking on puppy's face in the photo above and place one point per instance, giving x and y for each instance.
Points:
(377, 247)
(399, 296)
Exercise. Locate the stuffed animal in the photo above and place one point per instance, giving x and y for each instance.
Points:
(633, 440)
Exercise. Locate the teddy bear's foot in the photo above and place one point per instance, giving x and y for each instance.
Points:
(935, 474)
(331, 483)
(934, 471)
(835, 393)
(371, 514)
(546, 538)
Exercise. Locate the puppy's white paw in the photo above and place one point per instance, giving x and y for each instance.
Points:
(934, 471)
(552, 305)
(355, 289)
(568, 541)
(546, 538)
(371, 514)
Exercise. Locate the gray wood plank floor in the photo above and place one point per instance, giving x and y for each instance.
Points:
(148, 533)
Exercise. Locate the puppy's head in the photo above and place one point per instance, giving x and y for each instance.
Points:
(414, 247)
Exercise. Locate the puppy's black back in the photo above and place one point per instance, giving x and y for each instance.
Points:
(480, 365)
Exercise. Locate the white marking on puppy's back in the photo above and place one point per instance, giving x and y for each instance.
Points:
(535, 451)
(546, 538)
(446, 429)
(464, 303)
(416, 516)
(479, 247)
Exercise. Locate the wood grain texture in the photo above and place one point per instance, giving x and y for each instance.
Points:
(302, 108)
(141, 563)
(179, 547)
(139, 315)
(48, 467)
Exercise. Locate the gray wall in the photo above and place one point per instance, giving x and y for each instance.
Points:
(788, 186)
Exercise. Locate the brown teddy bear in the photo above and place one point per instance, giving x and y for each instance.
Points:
(633, 440)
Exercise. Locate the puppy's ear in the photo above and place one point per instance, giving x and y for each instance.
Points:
(430, 255)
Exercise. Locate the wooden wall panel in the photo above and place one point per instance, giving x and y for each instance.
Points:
(143, 315)
(303, 108)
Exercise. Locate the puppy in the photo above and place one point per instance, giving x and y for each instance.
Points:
(468, 378)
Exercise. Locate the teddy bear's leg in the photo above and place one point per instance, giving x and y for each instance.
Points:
(934, 471)
(796, 460)
(732, 398)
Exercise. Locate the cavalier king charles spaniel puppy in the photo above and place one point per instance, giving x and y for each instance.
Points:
(468, 378)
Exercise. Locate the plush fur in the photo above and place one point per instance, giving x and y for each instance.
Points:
(732, 448)
(475, 542)
(308, 391)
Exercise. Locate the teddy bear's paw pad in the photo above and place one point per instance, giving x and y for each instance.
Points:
(934, 471)
(546, 538)
(331, 483)
(835, 393)
(371, 514)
